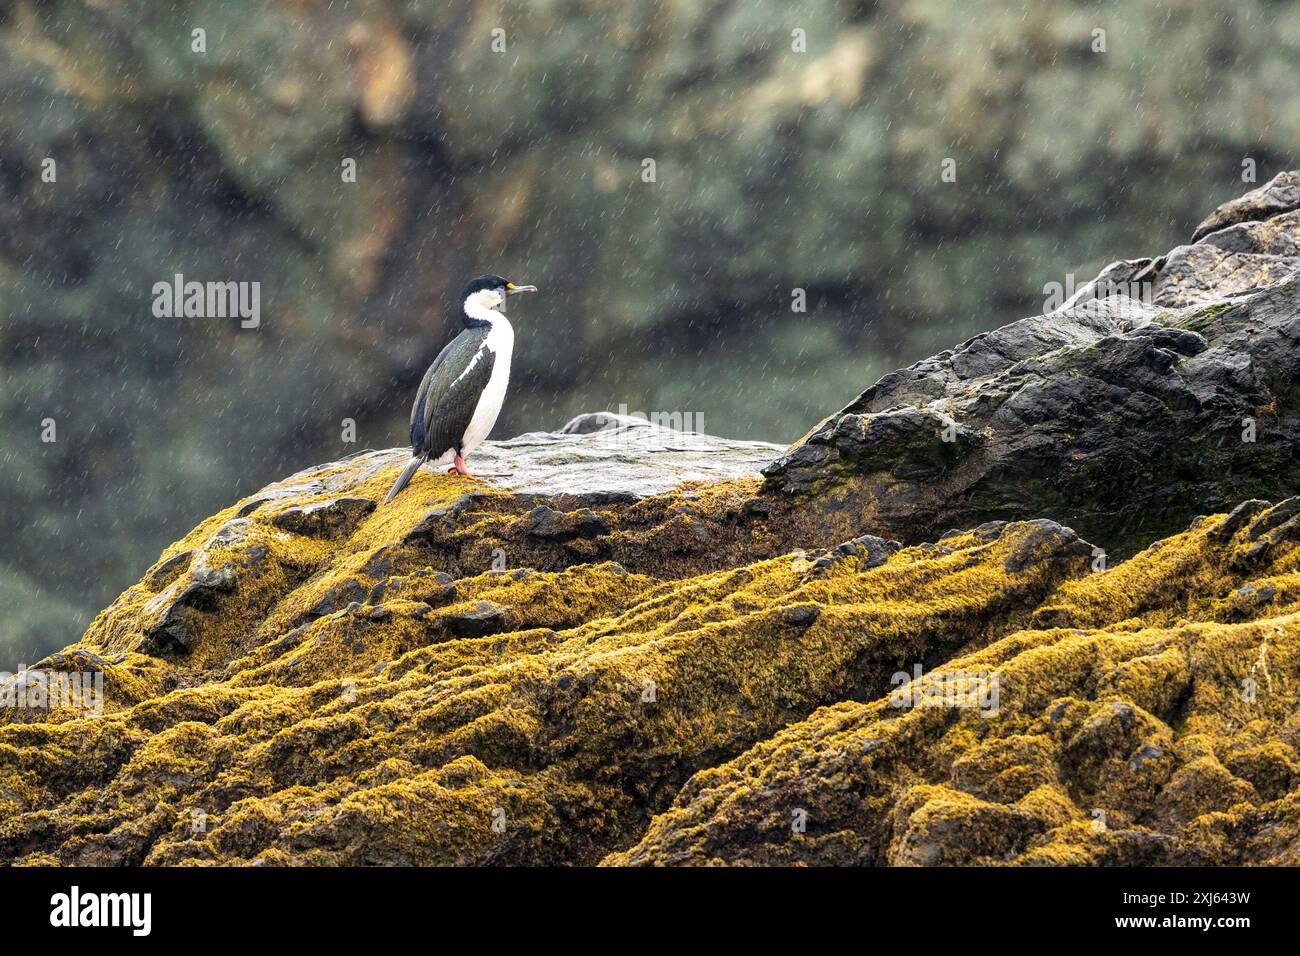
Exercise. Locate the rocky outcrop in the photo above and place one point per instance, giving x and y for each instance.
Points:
(1164, 389)
(625, 645)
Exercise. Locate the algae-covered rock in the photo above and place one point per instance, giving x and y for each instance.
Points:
(622, 644)
(774, 710)
(1123, 702)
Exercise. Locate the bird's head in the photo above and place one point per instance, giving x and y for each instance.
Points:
(487, 293)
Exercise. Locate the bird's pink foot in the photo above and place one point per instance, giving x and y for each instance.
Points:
(459, 467)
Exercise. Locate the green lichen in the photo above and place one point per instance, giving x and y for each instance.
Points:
(1202, 320)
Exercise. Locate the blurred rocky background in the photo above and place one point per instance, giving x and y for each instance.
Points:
(774, 170)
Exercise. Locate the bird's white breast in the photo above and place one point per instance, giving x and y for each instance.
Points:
(501, 342)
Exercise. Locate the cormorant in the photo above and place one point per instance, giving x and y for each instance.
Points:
(461, 394)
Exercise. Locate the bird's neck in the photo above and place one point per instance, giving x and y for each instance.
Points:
(475, 315)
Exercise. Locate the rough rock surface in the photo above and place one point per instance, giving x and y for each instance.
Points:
(626, 650)
(607, 457)
(1146, 717)
(1165, 389)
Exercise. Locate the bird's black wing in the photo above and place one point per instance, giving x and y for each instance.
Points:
(449, 393)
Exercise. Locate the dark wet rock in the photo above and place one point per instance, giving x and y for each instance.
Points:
(181, 605)
(1270, 519)
(546, 522)
(1047, 542)
(207, 581)
(1238, 518)
(1267, 530)
(479, 620)
(171, 635)
(441, 519)
(802, 615)
(381, 562)
(1118, 418)
(330, 518)
(431, 587)
(341, 595)
(165, 571)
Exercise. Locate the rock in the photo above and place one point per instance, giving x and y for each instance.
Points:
(802, 615)
(478, 620)
(178, 606)
(550, 524)
(601, 421)
(1238, 518)
(551, 668)
(345, 593)
(1111, 415)
(1046, 541)
(1081, 765)
(1281, 194)
(330, 518)
(873, 551)
(616, 464)
(644, 669)
(429, 587)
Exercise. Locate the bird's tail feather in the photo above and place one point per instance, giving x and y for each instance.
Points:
(407, 474)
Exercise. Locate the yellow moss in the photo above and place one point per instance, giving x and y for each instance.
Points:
(1137, 708)
(330, 699)
(613, 683)
(1176, 577)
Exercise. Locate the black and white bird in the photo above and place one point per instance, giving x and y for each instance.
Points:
(461, 395)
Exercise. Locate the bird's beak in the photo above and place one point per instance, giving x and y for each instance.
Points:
(512, 289)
